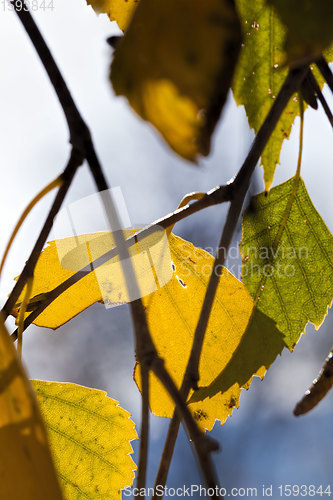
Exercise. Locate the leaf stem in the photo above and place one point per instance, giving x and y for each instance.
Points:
(55, 183)
(74, 162)
(301, 134)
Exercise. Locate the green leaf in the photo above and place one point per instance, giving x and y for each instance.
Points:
(90, 438)
(260, 74)
(287, 254)
(175, 64)
(309, 27)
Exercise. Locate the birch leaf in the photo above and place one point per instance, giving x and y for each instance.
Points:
(240, 341)
(63, 261)
(172, 312)
(90, 438)
(287, 253)
(309, 28)
(175, 65)
(258, 77)
(26, 468)
(260, 74)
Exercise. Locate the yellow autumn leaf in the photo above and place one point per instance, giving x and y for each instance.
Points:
(26, 468)
(117, 10)
(175, 64)
(240, 341)
(90, 438)
(65, 258)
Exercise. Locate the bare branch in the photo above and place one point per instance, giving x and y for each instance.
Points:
(314, 84)
(325, 71)
(67, 176)
(81, 140)
(215, 196)
(240, 187)
(78, 130)
(144, 434)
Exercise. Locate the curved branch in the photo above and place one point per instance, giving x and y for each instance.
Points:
(81, 141)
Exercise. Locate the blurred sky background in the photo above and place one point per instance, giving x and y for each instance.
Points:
(263, 443)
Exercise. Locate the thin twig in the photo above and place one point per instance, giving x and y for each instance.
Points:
(314, 84)
(20, 320)
(240, 185)
(79, 132)
(73, 164)
(144, 433)
(52, 185)
(325, 71)
(215, 196)
(146, 352)
(319, 388)
(81, 139)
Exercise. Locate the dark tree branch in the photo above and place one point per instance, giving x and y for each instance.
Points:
(240, 188)
(325, 71)
(215, 196)
(144, 433)
(320, 387)
(314, 84)
(79, 132)
(67, 176)
(81, 140)
(83, 148)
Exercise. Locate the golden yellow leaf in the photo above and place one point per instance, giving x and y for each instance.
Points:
(90, 437)
(175, 64)
(240, 341)
(64, 257)
(117, 10)
(26, 468)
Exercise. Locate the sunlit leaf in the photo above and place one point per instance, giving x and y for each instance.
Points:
(287, 254)
(64, 258)
(240, 341)
(238, 335)
(309, 27)
(260, 74)
(175, 65)
(117, 10)
(26, 468)
(90, 438)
